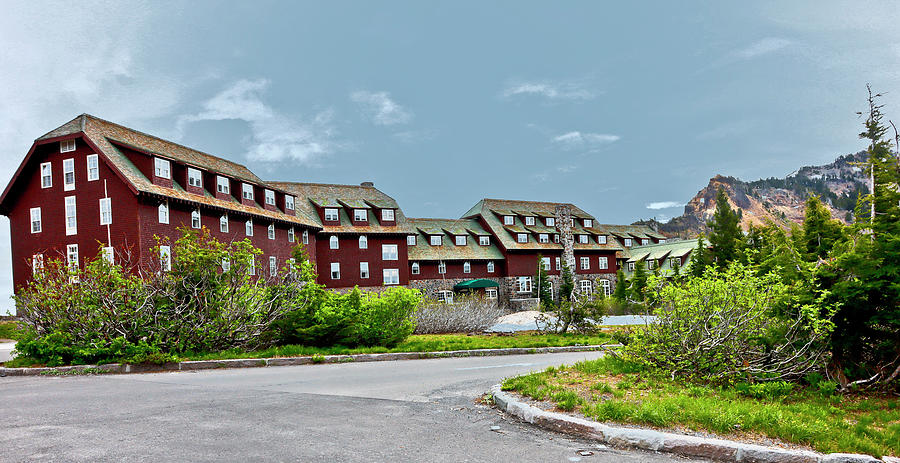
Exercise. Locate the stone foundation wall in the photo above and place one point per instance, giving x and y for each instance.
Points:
(431, 287)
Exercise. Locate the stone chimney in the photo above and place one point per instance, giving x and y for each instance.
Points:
(367, 184)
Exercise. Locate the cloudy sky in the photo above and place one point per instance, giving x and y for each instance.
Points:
(625, 108)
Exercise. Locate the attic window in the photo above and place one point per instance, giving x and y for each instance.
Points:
(484, 240)
(551, 222)
(387, 215)
(248, 191)
(522, 237)
(331, 214)
(289, 202)
(435, 240)
(601, 239)
(195, 178)
(222, 185)
(508, 220)
(360, 215)
(644, 242)
(66, 146)
(627, 242)
(588, 223)
(270, 197)
(583, 239)
(460, 240)
(529, 220)
(411, 240)
(544, 238)
(163, 168)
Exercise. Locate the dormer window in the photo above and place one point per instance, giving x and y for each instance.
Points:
(270, 197)
(522, 237)
(556, 238)
(529, 220)
(331, 214)
(582, 239)
(460, 240)
(411, 240)
(588, 223)
(544, 238)
(661, 241)
(247, 191)
(163, 168)
(360, 215)
(289, 202)
(222, 185)
(435, 240)
(645, 242)
(484, 240)
(508, 220)
(387, 215)
(66, 145)
(195, 178)
(627, 242)
(550, 221)
(601, 239)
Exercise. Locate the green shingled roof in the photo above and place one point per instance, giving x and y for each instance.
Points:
(448, 250)
(679, 248)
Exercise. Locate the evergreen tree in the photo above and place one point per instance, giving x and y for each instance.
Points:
(567, 285)
(620, 294)
(638, 281)
(725, 233)
(542, 284)
(700, 259)
(820, 231)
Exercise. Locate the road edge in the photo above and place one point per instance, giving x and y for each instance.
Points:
(193, 365)
(649, 439)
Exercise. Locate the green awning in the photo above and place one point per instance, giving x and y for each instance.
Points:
(479, 283)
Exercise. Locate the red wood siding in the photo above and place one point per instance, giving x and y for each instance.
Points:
(428, 270)
(349, 256)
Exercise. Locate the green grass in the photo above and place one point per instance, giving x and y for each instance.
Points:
(414, 343)
(9, 330)
(615, 391)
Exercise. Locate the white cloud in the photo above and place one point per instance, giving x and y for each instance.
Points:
(566, 169)
(380, 108)
(549, 90)
(762, 47)
(576, 139)
(274, 137)
(664, 205)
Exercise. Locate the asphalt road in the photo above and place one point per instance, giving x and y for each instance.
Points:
(414, 410)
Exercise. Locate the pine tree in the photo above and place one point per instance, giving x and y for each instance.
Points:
(700, 259)
(542, 284)
(725, 234)
(820, 232)
(621, 292)
(638, 281)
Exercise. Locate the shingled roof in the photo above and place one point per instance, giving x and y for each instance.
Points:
(311, 196)
(448, 250)
(107, 137)
(630, 231)
(492, 210)
(679, 248)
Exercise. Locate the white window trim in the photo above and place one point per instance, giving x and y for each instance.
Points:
(529, 221)
(607, 287)
(48, 176)
(71, 228)
(467, 267)
(334, 242)
(437, 242)
(442, 267)
(522, 237)
(601, 239)
(415, 269)
(545, 263)
(291, 236)
(163, 212)
(40, 224)
(390, 252)
(251, 269)
(490, 293)
(603, 262)
(523, 285)
(68, 168)
(162, 168)
(247, 192)
(93, 173)
(484, 240)
(544, 238)
(360, 215)
(631, 266)
(627, 242)
(583, 239)
(195, 215)
(223, 185)
(550, 222)
(66, 146)
(445, 296)
(411, 240)
(586, 287)
(364, 270)
(390, 276)
(165, 258)
(585, 263)
(558, 263)
(223, 223)
(363, 242)
(335, 269)
(387, 215)
(270, 197)
(588, 223)
(195, 174)
(248, 227)
(508, 220)
(271, 231)
(460, 240)
(490, 267)
(226, 264)
(72, 259)
(273, 266)
(332, 214)
(106, 203)
(305, 236)
(289, 202)
(37, 264)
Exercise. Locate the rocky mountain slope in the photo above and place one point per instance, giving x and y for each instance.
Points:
(780, 200)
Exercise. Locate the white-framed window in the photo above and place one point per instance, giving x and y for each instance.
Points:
(105, 211)
(163, 213)
(46, 175)
(627, 242)
(583, 239)
(165, 258)
(273, 266)
(558, 263)
(445, 297)
(335, 271)
(585, 287)
(411, 240)
(508, 220)
(442, 267)
(364, 270)
(289, 202)
(389, 252)
(556, 238)
(195, 218)
(305, 236)
(271, 231)
(363, 242)
(588, 223)
(162, 168)
(490, 293)
(467, 267)
(490, 267)
(37, 264)
(68, 174)
(387, 215)
(606, 287)
(523, 285)
(248, 227)
(72, 256)
(544, 238)
(93, 167)
(226, 264)
(585, 263)
(360, 215)
(415, 269)
(66, 146)
(651, 264)
(247, 191)
(223, 223)
(391, 276)
(195, 177)
(291, 235)
(36, 220)
(460, 240)
(270, 197)
(435, 240)
(631, 266)
(529, 220)
(251, 268)
(545, 263)
(331, 214)
(675, 262)
(603, 262)
(522, 237)
(333, 242)
(484, 240)
(71, 216)
(223, 185)
(601, 239)
(645, 242)
(550, 221)
(662, 241)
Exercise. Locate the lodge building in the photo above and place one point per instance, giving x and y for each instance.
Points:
(93, 187)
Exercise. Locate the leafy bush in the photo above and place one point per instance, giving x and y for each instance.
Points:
(771, 390)
(58, 348)
(467, 313)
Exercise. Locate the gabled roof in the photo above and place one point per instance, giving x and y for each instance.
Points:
(679, 248)
(491, 210)
(108, 138)
(448, 250)
(311, 196)
(630, 231)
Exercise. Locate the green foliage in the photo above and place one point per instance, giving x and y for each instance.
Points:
(725, 234)
(567, 285)
(820, 231)
(767, 391)
(59, 348)
(10, 330)
(637, 286)
(620, 293)
(542, 284)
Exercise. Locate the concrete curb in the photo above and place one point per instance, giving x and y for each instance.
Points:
(648, 439)
(124, 368)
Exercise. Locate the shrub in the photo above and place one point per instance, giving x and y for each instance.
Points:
(59, 348)
(771, 390)
(468, 313)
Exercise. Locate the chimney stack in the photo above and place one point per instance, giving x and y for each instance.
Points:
(368, 184)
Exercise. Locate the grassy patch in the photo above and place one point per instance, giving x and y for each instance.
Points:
(10, 330)
(609, 389)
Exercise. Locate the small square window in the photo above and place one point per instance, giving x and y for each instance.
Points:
(529, 220)
(270, 197)
(484, 240)
(508, 220)
(387, 215)
(360, 215)
(490, 293)
(588, 223)
(586, 286)
(460, 240)
(411, 240)
(522, 238)
(601, 239)
(331, 214)
(550, 221)
(582, 239)
(435, 240)
(544, 238)
(195, 177)
(223, 185)
(163, 168)
(66, 146)
(247, 191)
(627, 242)
(645, 242)
(391, 276)
(389, 252)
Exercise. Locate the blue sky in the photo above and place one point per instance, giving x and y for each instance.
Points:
(625, 108)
